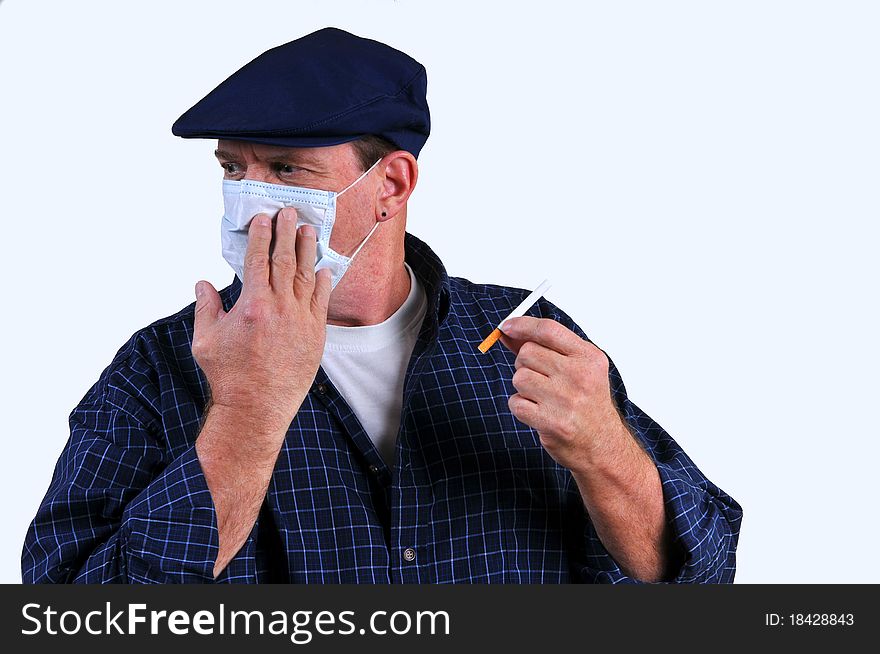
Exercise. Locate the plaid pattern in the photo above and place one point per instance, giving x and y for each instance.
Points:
(474, 497)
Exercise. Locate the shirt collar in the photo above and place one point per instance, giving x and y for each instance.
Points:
(431, 273)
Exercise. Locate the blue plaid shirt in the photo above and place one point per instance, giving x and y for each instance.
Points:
(473, 496)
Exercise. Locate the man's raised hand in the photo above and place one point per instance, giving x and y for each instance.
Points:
(261, 357)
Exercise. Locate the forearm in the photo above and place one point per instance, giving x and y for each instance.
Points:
(624, 498)
(237, 455)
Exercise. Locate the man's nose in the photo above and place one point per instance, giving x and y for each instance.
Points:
(258, 173)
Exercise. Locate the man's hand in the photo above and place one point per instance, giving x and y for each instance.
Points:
(260, 359)
(563, 393)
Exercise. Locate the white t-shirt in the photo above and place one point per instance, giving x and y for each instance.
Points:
(367, 366)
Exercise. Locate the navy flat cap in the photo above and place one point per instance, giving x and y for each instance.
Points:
(326, 88)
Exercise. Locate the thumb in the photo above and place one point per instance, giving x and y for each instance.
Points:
(208, 306)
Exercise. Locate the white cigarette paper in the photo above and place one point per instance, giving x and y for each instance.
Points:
(524, 306)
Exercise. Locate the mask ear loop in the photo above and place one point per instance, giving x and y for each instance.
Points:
(363, 174)
(364, 242)
(367, 237)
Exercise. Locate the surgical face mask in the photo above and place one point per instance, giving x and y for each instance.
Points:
(242, 200)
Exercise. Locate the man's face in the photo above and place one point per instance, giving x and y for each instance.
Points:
(329, 168)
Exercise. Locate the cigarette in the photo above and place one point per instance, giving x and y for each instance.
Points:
(524, 306)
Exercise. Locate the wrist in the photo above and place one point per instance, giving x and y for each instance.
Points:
(612, 456)
(252, 413)
(232, 433)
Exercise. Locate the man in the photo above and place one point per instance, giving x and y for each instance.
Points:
(328, 418)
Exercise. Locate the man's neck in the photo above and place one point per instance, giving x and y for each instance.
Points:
(371, 300)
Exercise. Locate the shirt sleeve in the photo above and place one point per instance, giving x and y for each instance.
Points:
(116, 512)
(704, 520)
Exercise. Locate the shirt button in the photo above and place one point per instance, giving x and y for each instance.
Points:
(374, 470)
(409, 554)
(321, 389)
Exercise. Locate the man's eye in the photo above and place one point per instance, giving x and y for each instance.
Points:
(230, 168)
(285, 169)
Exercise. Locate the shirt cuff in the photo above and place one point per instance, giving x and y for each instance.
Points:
(170, 530)
(700, 529)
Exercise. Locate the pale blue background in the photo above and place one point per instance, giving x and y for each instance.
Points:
(698, 178)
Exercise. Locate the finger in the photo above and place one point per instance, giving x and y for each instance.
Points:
(282, 263)
(209, 308)
(544, 331)
(321, 296)
(512, 344)
(306, 251)
(256, 258)
(525, 410)
(531, 384)
(539, 358)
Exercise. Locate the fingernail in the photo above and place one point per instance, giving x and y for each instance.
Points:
(200, 289)
(262, 220)
(503, 326)
(307, 230)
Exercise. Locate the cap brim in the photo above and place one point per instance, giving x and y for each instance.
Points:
(283, 141)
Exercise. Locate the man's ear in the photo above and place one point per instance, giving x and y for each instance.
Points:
(401, 174)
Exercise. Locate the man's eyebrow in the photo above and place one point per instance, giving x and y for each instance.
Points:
(223, 154)
(297, 157)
